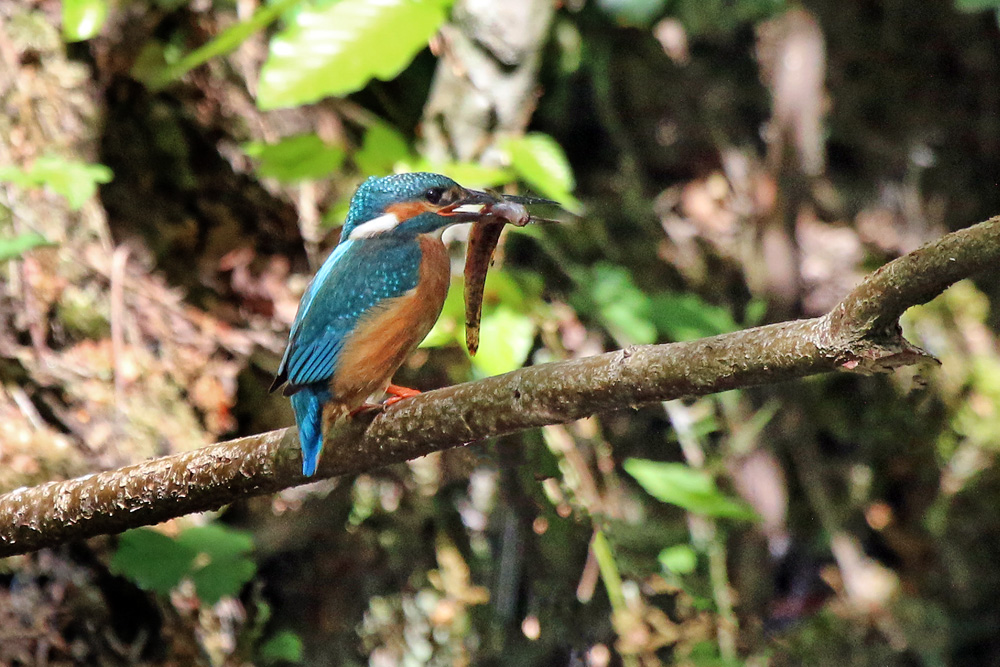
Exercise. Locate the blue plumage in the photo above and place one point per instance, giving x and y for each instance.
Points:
(308, 406)
(357, 277)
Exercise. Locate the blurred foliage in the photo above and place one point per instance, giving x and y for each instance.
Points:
(539, 161)
(284, 646)
(159, 65)
(17, 246)
(297, 158)
(76, 181)
(511, 311)
(337, 47)
(213, 557)
(680, 485)
(83, 19)
(839, 520)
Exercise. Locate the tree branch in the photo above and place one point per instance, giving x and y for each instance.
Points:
(861, 334)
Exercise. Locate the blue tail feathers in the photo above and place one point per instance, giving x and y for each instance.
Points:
(308, 406)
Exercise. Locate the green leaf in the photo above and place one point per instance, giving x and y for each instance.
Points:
(152, 560)
(83, 19)
(227, 569)
(228, 40)
(17, 246)
(623, 308)
(217, 541)
(74, 180)
(976, 5)
(679, 559)
(382, 147)
(158, 563)
(540, 161)
(683, 486)
(284, 646)
(297, 158)
(688, 316)
(337, 49)
(506, 337)
(221, 578)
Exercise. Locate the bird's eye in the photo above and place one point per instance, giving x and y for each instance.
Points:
(434, 195)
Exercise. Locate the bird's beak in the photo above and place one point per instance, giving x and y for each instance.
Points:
(528, 201)
(471, 206)
(475, 203)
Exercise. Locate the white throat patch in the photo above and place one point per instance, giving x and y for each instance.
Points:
(375, 226)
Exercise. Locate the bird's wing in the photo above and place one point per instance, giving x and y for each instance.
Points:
(358, 276)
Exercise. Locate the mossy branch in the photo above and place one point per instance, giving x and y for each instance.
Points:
(860, 334)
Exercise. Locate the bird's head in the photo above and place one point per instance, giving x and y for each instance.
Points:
(406, 205)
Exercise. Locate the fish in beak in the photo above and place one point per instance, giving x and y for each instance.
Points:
(491, 212)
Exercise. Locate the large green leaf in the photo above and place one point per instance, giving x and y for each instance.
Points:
(686, 487)
(212, 556)
(82, 19)
(296, 158)
(152, 560)
(337, 49)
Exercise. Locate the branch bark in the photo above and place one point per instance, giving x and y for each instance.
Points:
(860, 334)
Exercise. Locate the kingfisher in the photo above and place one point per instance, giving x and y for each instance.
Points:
(373, 300)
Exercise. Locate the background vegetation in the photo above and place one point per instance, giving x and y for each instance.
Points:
(172, 172)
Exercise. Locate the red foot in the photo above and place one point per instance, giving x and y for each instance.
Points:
(398, 393)
(401, 392)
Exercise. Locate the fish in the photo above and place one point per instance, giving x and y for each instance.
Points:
(483, 240)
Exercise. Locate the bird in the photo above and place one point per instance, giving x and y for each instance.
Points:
(373, 300)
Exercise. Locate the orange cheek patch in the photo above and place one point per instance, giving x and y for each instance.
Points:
(409, 209)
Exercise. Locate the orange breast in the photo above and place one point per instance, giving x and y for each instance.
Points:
(388, 333)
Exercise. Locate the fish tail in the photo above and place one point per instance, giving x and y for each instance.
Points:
(308, 405)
